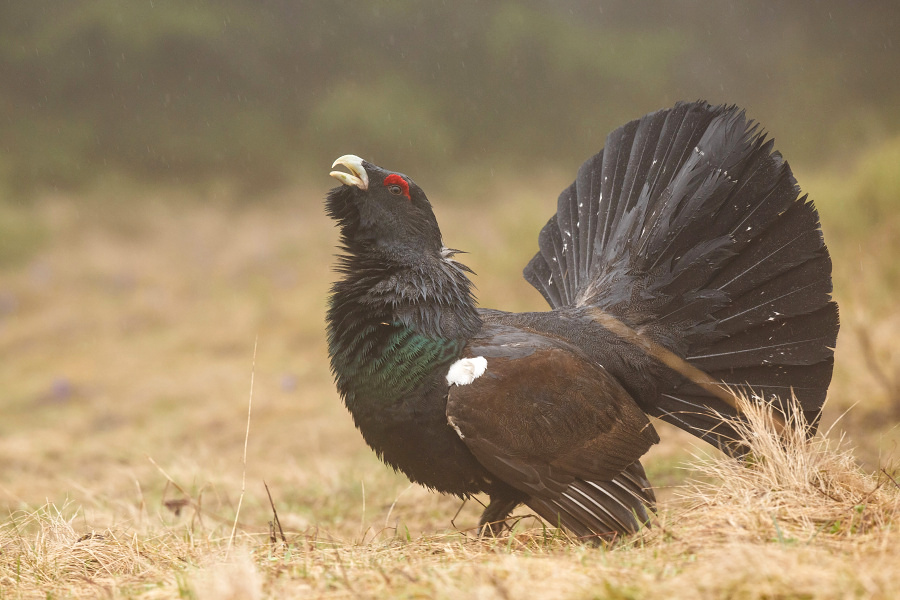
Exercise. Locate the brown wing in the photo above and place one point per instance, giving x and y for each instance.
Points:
(541, 416)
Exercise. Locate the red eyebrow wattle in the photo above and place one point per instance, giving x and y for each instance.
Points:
(394, 179)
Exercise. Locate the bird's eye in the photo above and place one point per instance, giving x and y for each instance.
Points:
(396, 185)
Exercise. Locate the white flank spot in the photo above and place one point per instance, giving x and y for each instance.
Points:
(466, 370)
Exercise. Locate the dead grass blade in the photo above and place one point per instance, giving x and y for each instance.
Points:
(237, 512)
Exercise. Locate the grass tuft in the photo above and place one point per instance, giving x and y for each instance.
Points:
(791, 488)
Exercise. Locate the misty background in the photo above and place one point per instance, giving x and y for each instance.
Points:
(264, 93)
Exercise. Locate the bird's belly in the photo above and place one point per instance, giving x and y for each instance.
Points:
(414, 437)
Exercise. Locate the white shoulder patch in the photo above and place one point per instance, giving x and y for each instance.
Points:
(466, 370)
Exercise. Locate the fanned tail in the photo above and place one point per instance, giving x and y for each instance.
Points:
(690, 229)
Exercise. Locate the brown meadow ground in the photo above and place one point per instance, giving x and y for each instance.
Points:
(138, 333)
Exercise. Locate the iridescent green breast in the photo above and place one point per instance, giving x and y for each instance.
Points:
(383, 362)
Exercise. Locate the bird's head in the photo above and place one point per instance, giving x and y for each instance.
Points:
(380, 208)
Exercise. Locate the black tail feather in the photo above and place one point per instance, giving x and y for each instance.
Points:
(689, 227)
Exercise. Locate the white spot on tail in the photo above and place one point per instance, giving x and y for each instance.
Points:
(466, 370)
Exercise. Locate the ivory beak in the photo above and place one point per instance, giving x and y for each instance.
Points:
(357, 175)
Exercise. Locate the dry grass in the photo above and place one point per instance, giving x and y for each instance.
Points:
(799, 520)
(791, 488)
(128, 341)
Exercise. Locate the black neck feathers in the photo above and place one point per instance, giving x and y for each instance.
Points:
(394, 317)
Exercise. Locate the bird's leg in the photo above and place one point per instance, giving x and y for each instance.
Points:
(493, 519)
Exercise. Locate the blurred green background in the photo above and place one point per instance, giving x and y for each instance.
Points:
(264, 92)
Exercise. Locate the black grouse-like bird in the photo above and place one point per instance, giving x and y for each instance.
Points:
(680, 261)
